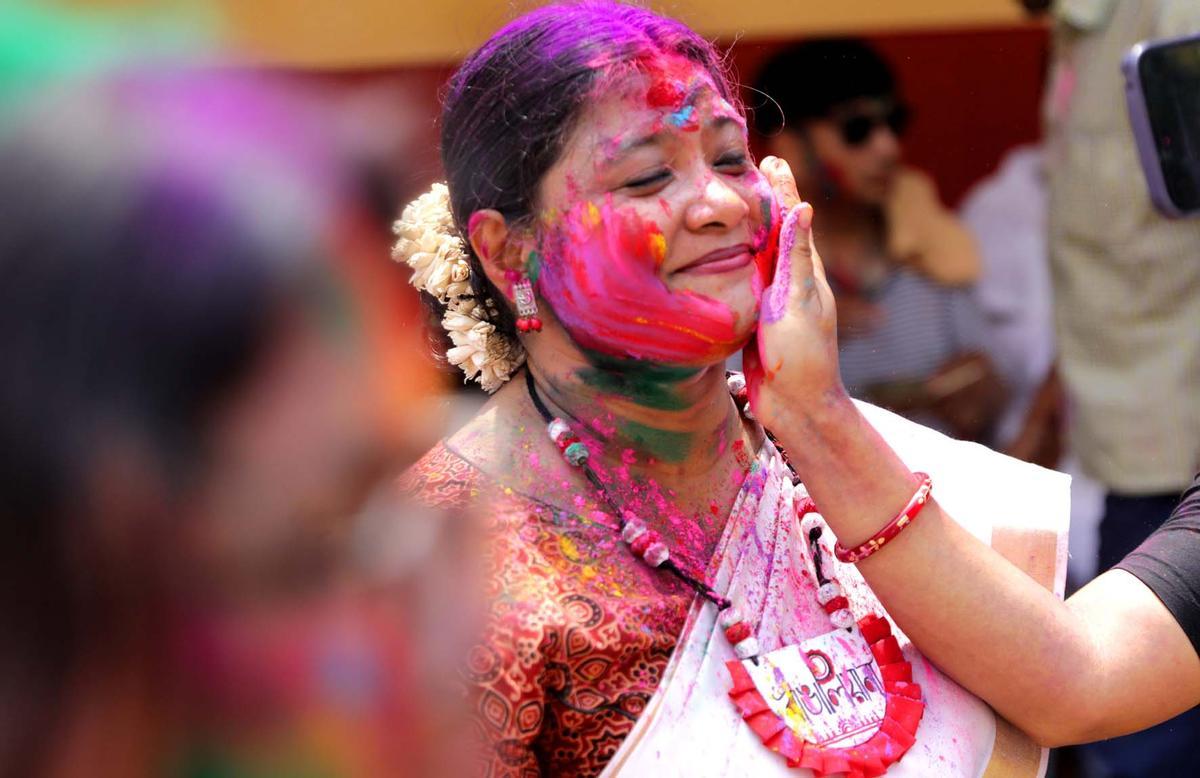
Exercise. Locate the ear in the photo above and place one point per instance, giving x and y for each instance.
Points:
(499, 248)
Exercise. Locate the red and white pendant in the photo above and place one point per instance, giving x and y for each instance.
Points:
(842, 702)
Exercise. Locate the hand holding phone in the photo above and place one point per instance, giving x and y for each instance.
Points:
(1162, 90)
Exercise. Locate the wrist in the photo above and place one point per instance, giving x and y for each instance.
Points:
(824, 415)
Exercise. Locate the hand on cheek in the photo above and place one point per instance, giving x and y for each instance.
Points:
(792, 361)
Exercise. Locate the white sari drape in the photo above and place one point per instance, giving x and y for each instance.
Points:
(691, 728)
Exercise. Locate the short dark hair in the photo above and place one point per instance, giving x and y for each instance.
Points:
(810, 79)
(511, 106)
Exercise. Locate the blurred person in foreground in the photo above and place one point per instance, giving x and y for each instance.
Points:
(193, 407)
(899, 262)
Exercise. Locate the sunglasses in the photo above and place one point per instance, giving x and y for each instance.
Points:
(857, 127)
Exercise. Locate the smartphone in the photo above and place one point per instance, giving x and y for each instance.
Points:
(1162, 91)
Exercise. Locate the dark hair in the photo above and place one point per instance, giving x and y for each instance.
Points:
(810, 79)
(511, 106)
(139, 290)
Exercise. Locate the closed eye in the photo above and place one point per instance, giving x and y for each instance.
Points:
(649, 180)
(734, 161)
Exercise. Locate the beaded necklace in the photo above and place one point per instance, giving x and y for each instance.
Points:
(830, 754)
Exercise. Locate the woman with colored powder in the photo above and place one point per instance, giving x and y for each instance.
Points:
(651, 549)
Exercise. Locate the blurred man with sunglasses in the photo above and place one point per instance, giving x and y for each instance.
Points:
(910, 335)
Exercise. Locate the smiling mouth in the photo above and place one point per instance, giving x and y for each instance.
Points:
(720, 261)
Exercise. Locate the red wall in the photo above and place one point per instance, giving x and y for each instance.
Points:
(974, 94)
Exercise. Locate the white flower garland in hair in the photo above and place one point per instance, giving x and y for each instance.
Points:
(429, 244)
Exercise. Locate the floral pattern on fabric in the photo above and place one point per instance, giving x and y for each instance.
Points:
(578, 632)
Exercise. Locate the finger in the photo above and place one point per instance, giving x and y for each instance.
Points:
(818, 266)
(793, 269)
(796, 240)
(817, 263)
(752, 369)
(783, 183)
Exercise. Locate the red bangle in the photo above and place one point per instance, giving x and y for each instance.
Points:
(891, 529)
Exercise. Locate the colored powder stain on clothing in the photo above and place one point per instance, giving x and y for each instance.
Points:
(755, 480)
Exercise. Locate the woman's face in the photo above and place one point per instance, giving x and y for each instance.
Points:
(657, 229)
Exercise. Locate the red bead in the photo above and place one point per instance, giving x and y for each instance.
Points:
(640, 545)
(566, 440)
(523, 325)
(836, 604)
(737, 633)
(535, 324)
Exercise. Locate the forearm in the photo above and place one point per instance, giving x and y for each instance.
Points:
(983, 621)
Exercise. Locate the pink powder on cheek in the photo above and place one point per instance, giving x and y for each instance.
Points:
(766, 239)
(600, 276)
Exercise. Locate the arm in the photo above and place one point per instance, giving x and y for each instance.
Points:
(1111, 660)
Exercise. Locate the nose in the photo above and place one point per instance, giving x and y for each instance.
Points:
(884, 144)
(717, 207)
